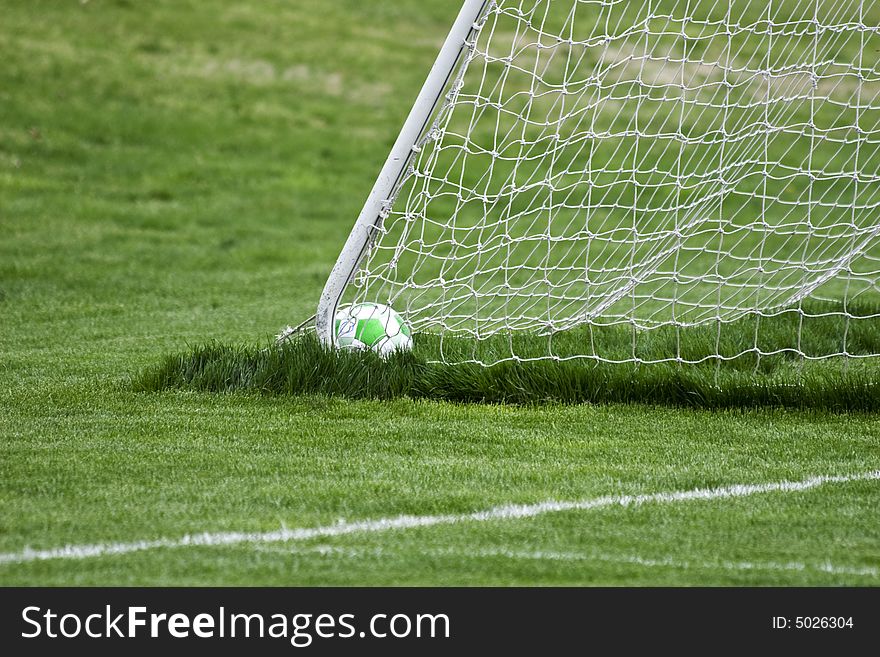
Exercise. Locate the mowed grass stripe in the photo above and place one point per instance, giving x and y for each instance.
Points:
(507, 512)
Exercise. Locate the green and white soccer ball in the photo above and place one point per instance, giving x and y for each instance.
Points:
(372, 326)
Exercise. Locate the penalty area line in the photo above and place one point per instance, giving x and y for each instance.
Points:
(506, 512)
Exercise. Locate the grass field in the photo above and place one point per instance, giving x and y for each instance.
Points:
(173, 173)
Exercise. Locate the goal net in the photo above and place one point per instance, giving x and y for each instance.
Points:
(636, 181)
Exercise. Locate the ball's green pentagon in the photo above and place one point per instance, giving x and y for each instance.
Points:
(372, 326)
(370, 331)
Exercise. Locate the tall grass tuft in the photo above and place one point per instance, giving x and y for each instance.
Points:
(303, 366)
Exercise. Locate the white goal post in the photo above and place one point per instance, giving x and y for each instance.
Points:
(365, 227)
(574, 166)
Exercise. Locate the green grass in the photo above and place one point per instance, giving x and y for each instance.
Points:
(777, 375)
(173, 173)
(302, 366)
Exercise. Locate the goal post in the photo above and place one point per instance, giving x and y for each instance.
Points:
(361, 236)
(634, 181)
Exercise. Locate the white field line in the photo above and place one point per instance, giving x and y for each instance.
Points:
(508, 512)
(540, 555)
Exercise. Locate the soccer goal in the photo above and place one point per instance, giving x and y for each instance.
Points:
(634, 181)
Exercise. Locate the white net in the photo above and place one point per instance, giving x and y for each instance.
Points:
(643, 166)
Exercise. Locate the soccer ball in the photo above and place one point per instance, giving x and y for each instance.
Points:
(372, 326)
